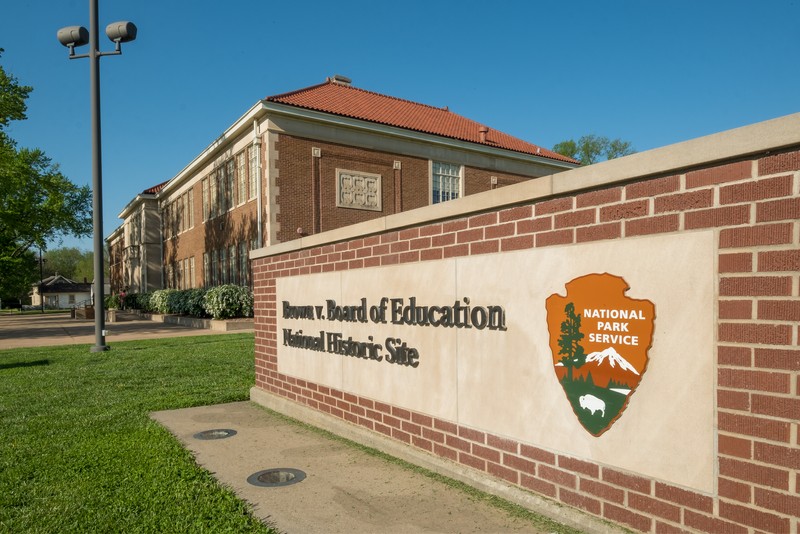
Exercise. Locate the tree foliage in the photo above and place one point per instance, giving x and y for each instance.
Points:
(69, 262)
(38, 204)
(569, 342)
(591, 148)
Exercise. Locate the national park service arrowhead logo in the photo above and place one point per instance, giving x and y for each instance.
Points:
(599, 339)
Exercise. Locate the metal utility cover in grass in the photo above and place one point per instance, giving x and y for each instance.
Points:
(216, 433)
(273, 478)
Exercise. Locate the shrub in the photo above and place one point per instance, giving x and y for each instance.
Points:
(159, 300)
(225, 302)
(111, 301)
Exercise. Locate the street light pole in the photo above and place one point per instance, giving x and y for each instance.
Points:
(72, 36)
(97, 181)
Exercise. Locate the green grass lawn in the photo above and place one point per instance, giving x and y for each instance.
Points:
(79, 453)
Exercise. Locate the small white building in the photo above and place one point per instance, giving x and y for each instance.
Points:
(59, 292)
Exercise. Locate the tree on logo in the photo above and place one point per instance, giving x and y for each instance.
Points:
(570, 341)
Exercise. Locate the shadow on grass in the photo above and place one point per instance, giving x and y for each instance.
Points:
(23, 364)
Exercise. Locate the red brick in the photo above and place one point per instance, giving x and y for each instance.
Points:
(752, 286)
(431, 254)
(520, 464)
(737, 262)
(652, 188)
(685, 201)
(422, 443)
(456, 251)
(420, 419)
(503, 472)
(433, 435)
(755, 518)
(777, 455)
(457, 443)
(757, 474)
(655, 507)
(725, 173)
(599, 232)
(780, 502)
(779, 310)
(485, 219)
(604, 491)
(733, 400)
(666, 528)
(505, 445)
(732, 489)
(715, 217)
(445, 452)
(642, 485)
(731, 446)
(515, 214)
(557, 237)
(786, 359)
(778, 210)
(652, 225)
(501, 230)
(425, 231)
(751, 236)
(753, 426)
(752, 191)
(484, 247)
(741, 356)
(736, 309)
(625, 516)
(594, 198)
(553, 206)
(530, 226)
(445, 426)
(579, 501)
(486, 453)
(627, 210)
(779, 260)
(521, 242)
(788, 161)
(466, 236)
(443, 240)
(765, 334)
(540, 455)
(454, 226)
(537, 485)
(575, 218)
(579, 466)
(712, 525)
(472, 461)
(420, 243)
(562, 478)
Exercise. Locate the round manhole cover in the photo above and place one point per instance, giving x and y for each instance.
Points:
(273, 478)
(217, 433)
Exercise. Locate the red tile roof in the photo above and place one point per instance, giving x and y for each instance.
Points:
(344, 100)
(155, 189)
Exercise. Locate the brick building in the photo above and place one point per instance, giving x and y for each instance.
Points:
(305, 162)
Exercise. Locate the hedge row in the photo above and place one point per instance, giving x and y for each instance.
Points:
(221, 302)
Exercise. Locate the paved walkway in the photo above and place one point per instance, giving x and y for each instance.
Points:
(39, 330)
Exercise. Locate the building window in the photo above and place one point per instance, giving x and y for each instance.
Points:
(241, 176)
(445, 182)
(191, 272)
(205, 199)
(72, 299)
(358, 190)
(212, 187)
(244, 275)
(230, 185)
(232, 264)
(223, 263)
(190, 207)
(206, 270)
(252, 152)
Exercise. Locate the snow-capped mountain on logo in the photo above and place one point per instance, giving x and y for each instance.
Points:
(613, 357)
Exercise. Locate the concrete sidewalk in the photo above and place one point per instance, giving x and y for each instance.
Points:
(346, 490)
(40, 330)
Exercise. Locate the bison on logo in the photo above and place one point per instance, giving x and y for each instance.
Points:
(599, 339)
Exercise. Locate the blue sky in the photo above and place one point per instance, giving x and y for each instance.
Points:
(653, 73)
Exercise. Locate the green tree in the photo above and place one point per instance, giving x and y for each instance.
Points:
(571, 336)
(38, 204)
(69, 262)
(591, 148)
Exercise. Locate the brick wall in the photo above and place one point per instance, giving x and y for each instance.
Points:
(753, 205)
(298, 169)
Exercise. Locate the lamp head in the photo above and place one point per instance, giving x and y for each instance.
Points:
(73, 36)
(121, 32)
